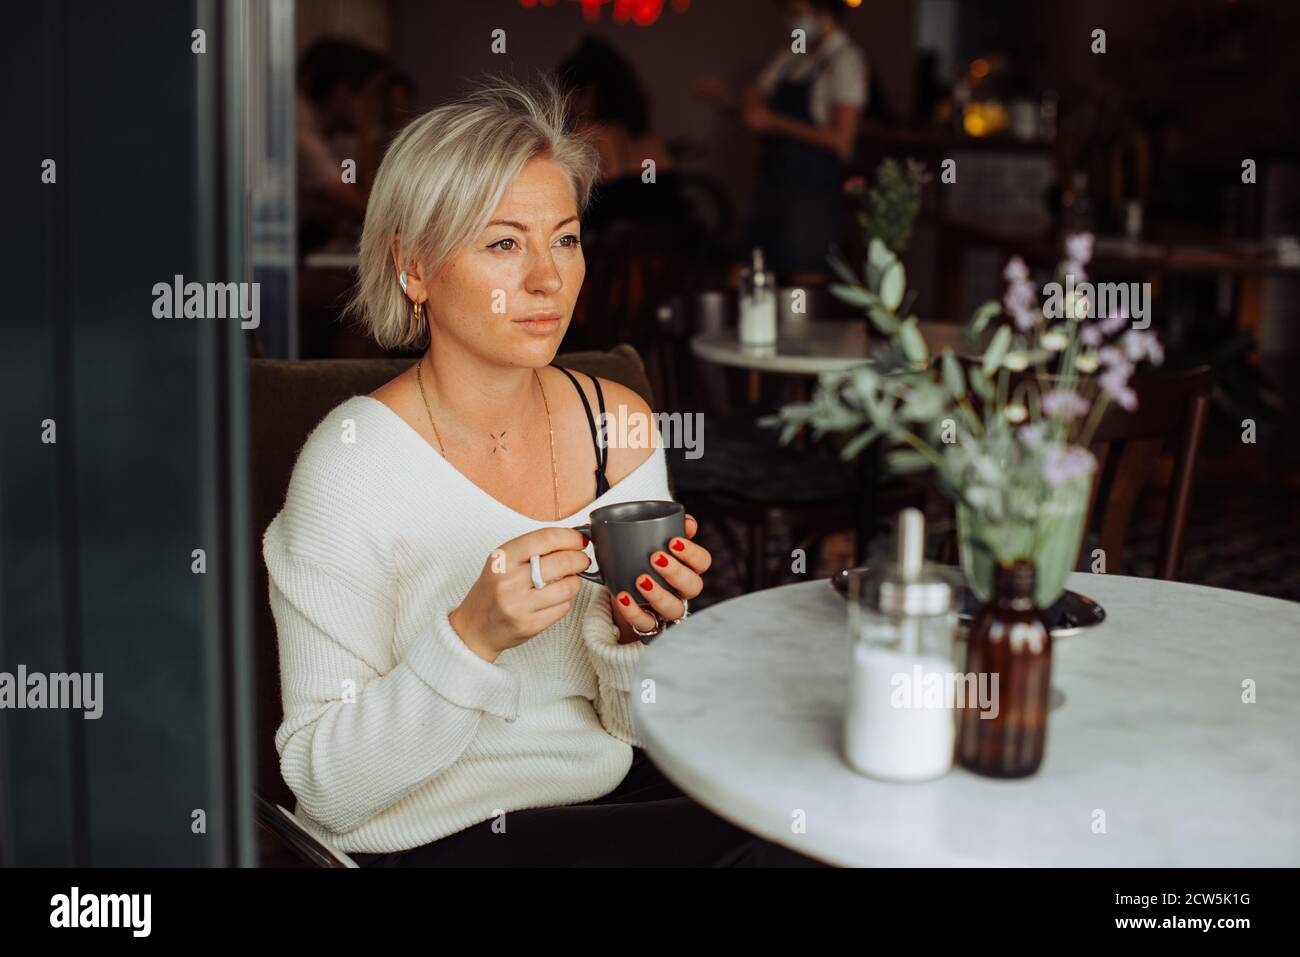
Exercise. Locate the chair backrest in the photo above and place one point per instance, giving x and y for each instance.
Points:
(635, 270)
(288, 399)
(1172, 406)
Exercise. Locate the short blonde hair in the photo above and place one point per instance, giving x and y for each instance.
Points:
(440, 181)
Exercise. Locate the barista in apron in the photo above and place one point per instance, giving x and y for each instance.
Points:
(794, 215)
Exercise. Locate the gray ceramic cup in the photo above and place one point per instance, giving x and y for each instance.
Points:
(624, 535)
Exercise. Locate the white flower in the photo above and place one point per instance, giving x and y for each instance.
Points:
(1086, 362)
(1016, 361)
(1015, 412)
(1055, 341)
(1031, 436)
(1077, 306)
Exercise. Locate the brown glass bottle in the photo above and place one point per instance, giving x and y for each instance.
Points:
(1008, 638)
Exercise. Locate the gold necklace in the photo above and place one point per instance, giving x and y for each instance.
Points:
(555, 475)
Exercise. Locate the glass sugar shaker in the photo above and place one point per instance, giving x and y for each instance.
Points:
(900, 724)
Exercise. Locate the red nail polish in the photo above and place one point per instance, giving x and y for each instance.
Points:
(662, 561)
(647, 584)
(679, 545)
(584, 541)
(625, 600)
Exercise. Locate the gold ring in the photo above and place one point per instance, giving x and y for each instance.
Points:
(659, 627)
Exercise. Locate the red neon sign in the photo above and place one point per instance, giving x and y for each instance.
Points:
(641, 12)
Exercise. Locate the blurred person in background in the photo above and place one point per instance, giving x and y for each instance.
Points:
(345, 93)
(805, 107)
(612, 111)
(342, 87)
(398, 103)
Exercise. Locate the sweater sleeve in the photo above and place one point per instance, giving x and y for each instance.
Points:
(614, 664)
(358, 736)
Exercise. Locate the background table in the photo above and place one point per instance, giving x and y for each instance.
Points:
(817, 347)
(809, 349)
(750, 694)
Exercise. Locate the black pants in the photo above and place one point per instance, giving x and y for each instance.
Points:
(644, 822)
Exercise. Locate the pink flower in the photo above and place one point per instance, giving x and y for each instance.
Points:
(853, 185)
(1116, 321)
(1016, 270)
(1021, 301)
(1062, 465)
(1114, 382)
(1063, 404)
(1113, 358)
(1078, 248)
(1091, 335)
(1139, 345)
(1026, 319)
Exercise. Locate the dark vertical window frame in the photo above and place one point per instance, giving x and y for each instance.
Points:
(222, 243)
(66, 796)
(65, 391)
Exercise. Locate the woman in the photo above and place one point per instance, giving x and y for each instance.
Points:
(806, 106)
(438, 706)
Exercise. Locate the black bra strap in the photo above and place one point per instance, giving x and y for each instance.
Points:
(599, 442)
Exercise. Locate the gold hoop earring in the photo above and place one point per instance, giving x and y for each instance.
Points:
(417, 310)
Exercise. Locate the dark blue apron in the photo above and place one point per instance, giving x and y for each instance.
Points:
(795, 212)
(787, 162)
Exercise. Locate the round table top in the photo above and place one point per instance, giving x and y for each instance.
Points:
(807, 348)
(1153, 733)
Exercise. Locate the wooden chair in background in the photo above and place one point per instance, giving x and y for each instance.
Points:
(1171, 413)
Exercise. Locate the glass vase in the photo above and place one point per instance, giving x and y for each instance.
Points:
(1051, 543)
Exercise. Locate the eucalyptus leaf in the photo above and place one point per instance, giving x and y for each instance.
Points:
(880, 255)
(980, 318)
(893, 283)
(923, 403)
(980, 384)
(997, 350)
(859, 442)
(906, 460)
(884, 320)
(790, 430)
(879, 258)
(953, 380)
(913, 343)
(841, 269)
(853, 295)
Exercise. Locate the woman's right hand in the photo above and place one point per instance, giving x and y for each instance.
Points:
(503, 609)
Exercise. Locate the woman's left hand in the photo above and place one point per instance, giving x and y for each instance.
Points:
(680, 564)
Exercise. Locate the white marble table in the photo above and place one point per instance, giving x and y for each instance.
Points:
(810, 348)
(749, 697)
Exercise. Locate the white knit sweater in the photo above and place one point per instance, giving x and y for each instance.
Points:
(395, 733)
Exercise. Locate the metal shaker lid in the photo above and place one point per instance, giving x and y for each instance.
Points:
(908, 587)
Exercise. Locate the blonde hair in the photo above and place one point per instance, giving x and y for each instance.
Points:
(440, 181)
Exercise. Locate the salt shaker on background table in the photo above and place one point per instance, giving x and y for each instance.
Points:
(757, 305)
